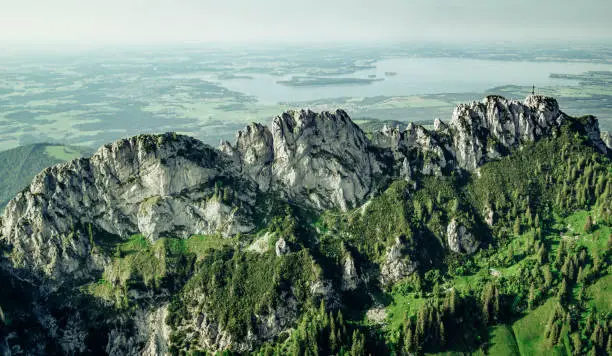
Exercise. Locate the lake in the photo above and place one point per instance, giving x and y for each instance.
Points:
(416, 76)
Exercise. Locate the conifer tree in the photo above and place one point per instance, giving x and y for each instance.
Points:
(588, 225)
(453, 302)
(548, 277)
(409, 346)
(358, 346)
(510, 256)
(542, 254)
(517, 226)
(580, 277)
(560, 253)
(528, 216)
(563, 291)
(442, 334)
(531, 298)
(333, 340)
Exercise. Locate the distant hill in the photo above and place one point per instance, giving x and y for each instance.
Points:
(19, 165)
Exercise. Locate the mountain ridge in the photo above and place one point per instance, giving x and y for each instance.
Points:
(322, 160)
(136, 193)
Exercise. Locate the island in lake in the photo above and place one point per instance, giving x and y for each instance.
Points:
(227, 76)
(301, 81)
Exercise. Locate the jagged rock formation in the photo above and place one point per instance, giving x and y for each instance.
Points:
(175, 186)
(165, 185)
(350, 278)
(154, 185)
(397, 265)
(492, 127)
(459, 239)
(281, 247)
(323, 159)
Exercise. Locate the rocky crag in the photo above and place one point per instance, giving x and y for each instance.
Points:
(175, 186)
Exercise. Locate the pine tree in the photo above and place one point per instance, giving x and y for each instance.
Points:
(333, 340)
(598, 337)
(409, 346)
(568, 322)
(588, 225)
(517, 226)
(560, 253)
(342, 334)
(536, 221)
(565, 268)
(442, 334)
(542, 254)
(554, 333)
(563, 291)
(582, 257)
(576, 344)
(358, 346)
(581, 293)
(528, 216)
(531, 298)
(548, 277)
(226, 194)
(510, 256)
(453, 302)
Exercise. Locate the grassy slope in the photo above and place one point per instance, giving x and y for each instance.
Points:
(529, 332)
(601, 294)
(19, 165)
(503, 341)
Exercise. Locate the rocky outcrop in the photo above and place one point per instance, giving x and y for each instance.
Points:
(488, 129)
(397, 264)
(459, 239)
(415, 149)
(350, 278)
(321, 159)
(606, 137)
(157, 185)
(147, 327)
(281, 247)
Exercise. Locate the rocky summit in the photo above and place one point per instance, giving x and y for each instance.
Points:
(73, 227)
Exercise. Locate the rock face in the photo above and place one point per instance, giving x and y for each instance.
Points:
(322, 159)
(162, 185)
(281, 247)
(606, 137)
(169, 185)
(397, 264)
(149, 329)
(459, 239)
(490, 128)
(350, 278)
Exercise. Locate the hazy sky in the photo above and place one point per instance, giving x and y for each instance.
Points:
(150, 21)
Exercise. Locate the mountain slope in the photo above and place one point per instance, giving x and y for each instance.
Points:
(19, 165)
(161, 243)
